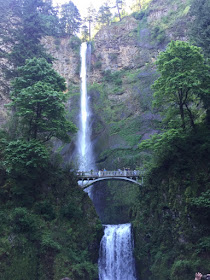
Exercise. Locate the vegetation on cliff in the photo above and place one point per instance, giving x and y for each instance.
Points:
(171, 216)
(49, 228)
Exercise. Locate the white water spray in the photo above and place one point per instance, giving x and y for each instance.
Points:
(116, 261)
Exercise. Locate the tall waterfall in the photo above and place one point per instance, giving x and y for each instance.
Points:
(86, 160)
(116, 261)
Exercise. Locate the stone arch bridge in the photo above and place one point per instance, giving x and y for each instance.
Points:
(88, 178)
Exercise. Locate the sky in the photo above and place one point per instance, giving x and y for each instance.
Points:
(82, 5)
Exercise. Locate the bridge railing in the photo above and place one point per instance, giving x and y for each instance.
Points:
(102, 173)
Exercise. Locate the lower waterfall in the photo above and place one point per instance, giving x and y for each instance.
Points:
(116, 261)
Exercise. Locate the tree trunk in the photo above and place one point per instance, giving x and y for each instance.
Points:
(181, 108)
(118, 10)
(140, 5)
(191, 116)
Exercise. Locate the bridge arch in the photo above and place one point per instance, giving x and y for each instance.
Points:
(91, 182)
(90, 178)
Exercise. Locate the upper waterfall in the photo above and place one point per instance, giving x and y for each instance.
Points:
(86, 160)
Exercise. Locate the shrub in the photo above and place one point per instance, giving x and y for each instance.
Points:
(24, 222)
(139, 15)
(98, 65)
(181, 268)
(74, 43)
(158, 34)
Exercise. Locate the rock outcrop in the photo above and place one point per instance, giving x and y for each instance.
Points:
(66, 61)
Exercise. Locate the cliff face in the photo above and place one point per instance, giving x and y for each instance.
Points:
(116, 47)
(66, 61)
(122, 72)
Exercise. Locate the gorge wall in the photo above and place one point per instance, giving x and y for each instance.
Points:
(122, 71)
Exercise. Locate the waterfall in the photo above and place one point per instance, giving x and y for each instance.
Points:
(116, 261)
(86, 160)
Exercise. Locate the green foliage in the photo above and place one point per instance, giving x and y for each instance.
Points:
(36, 70)
(200, 25)
(75, 43)
(24, 222)
(175, 200)
(161, 145)
(47, 243)
(115, 201)
(139, 15)
(158, 34)
(23, 157)
(20, 265)
(85, 270)
(182, 83)
(97, 65)
(34, 237)
(45, 209)
(70, 20)
(203, 201)
(127, 129)
(25, 34)
(71, 210)
(84, 33)
(180, 268)
(104, 14)
(39, 102)
(113, 77)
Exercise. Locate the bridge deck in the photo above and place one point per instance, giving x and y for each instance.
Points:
(92, 175)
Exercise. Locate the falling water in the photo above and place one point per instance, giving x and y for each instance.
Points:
(86, 160)
(116, 261)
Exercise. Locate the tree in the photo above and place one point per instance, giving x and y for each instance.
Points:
(119, 5)
(182, 84)
(140, 4)
(91, 17)
(50, 18)
(70, 19)
(39, 102)
(23, 23)
(200, 25)
(27, 35)
(84, 32)
(104, 14)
